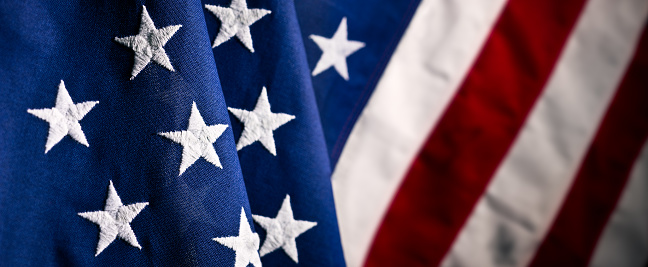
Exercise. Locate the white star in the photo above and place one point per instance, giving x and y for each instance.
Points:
(114, 220)
(64, 118)
(197, 140)
(245, 244)
(282, 230)
(149, 43)
(335, 50)
(236, 20)
(260, 123)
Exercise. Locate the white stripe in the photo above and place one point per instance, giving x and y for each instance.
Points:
(624, 241)
(520, 203)
(435, 54)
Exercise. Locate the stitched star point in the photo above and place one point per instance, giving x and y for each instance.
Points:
(236, 21)
(64, 118)
(114, 220)
(282, 230)
(246, 244)
(260, 123)
(197, 140)
(335, 51)
(149, 44)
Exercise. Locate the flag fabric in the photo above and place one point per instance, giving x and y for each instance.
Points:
(498, 133)
(324, 133)
(114, 151)
(280, 140)
(123, 146)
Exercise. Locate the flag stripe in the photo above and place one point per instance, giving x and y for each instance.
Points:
(603, 174)
(429, 65)
(372, 81)
(624, 241)
(527, 190)
(461, 155)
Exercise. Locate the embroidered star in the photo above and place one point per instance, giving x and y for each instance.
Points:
(149, 43)
(282, 230)
(197, 140)
(64, 118)
(114, 221)
(236, 21)
(260, 123)
(245, 244)
(335, 51)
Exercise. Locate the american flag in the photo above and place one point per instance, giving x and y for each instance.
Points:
(324, 133)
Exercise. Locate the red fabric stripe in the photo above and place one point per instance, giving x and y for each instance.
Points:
(451, 172)
(603, 173)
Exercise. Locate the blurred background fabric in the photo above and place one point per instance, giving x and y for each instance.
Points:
(324, 133)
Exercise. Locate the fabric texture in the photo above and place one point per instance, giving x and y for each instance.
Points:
(301, 167)
(162, 138)
(329, 133)
(184, 212)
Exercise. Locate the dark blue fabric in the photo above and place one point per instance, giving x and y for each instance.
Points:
(301, 167)
(379, 24)
(43, 42)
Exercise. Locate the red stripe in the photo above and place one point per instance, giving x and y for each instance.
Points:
(458, 160)
(604, 172)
